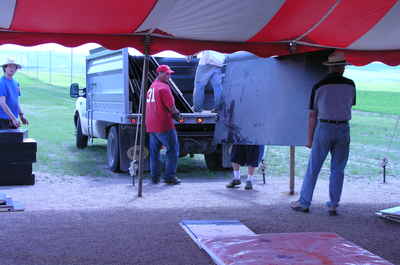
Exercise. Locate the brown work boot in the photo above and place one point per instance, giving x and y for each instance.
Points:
(249, 185)
(172, 181)
(233, 183)
(296, 206)
(332, 211)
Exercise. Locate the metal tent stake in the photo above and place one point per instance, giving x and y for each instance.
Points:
(143, 91)
(263, 168)
(384, 164)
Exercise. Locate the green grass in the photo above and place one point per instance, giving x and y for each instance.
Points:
(373, 137)
(57, 78)
(378, 101)
(50, 112)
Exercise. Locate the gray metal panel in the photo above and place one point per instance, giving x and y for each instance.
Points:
(127, 106)
(108, 97)
(265, 101)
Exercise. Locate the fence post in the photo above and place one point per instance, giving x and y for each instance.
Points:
(72, 62)
(37, 65)
(50, 68)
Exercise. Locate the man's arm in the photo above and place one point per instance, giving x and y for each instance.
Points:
(175, 113)
(20, 112)
(22, 116)
(312, 116)
(312, 122)
(7, 110)
(168, 101)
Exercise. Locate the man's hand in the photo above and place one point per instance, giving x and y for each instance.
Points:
(176, 116)
(24, 120)
(189, 58)
(15, 123)
(309, 145)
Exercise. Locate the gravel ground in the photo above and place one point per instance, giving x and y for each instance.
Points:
(64, 193)
(88, 221)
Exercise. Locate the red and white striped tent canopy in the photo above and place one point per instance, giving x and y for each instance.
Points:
(367, 30)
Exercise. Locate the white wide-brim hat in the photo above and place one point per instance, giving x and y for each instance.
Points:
(336, 58)
(11, 61)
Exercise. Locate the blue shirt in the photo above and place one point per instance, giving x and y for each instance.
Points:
(9, 88)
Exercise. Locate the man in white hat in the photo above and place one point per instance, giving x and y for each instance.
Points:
(330, 111)
(10, 109)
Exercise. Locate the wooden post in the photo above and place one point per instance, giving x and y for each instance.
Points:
(143, 92)
(292, 169)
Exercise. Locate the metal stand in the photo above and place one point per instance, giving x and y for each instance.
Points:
(292, 169)
(263, 169)
(384, 164)
(143, 92)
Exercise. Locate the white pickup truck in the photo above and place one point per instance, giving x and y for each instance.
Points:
(107, 108)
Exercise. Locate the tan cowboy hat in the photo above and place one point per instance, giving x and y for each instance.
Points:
(11, 61)
(336, 58)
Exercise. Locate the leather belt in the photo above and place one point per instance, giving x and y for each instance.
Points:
(332, 121)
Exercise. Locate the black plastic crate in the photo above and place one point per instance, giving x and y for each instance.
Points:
(28, 145)
(16, 174)
(13, 135)
(24, 152)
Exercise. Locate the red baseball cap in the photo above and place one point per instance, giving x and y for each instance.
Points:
(165, 69)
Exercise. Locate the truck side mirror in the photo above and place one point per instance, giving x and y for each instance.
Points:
(74, 90)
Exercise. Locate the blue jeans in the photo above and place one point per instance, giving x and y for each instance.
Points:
(333, 138)
(168, 139)
(204, 74)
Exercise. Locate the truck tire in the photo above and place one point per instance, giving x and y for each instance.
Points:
(214, 161)
(113, 149)
(81, 139)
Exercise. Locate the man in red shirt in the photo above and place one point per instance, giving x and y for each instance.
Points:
(160, 112)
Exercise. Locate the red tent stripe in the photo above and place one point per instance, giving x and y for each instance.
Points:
(360, 58)
(80, 16)
(293, 19)
(349, 21)
(186, 46)
(112, 42)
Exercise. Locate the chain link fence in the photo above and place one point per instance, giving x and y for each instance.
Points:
(51, 67)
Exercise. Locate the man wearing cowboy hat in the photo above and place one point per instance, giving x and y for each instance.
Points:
(10, 109)
(330, 111)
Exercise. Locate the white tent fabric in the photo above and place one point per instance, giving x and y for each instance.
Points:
(7, 8)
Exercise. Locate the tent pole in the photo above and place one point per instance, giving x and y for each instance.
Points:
(143, 91)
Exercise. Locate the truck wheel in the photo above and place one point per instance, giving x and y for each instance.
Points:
(214, 161)
(113, 149)
(81, 139)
